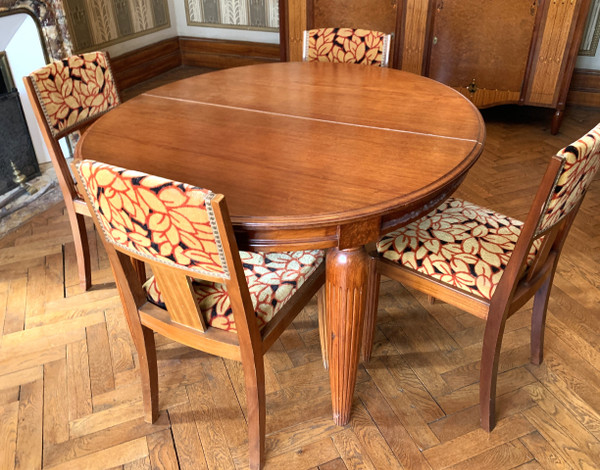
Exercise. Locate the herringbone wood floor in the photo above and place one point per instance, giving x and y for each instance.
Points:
(70, 394)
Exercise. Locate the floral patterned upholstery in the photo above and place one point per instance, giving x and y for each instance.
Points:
(581, 162)
(157, 218)
(75, 89)
(272, 279)
(458, 243)
(346, 45)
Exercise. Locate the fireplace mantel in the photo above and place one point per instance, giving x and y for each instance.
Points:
(49, 15)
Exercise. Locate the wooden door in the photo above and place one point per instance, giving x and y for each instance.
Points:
(482, 48)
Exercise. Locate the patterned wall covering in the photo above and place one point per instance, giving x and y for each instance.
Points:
(95, 24)
(51, 18)
(240, 14)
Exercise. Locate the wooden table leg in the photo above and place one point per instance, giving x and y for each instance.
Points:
(347, 275)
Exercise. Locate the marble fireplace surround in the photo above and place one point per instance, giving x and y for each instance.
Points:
(50, 17)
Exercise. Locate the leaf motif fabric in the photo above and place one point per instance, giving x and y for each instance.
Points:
(155, 217)
(346, 45)
(581, 162)
(272, 280)
(458, 243)
(75, 89)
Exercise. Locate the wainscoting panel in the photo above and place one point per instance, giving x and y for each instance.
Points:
(140, 65)
(95, 24)
(221, 54)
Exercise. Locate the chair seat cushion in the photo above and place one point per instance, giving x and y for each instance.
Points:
(460, 244)
(272, 279)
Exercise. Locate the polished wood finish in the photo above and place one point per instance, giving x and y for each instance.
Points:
(416, 399)
(147, 62)
(519, 283)
(346, 295)
(412, 38)
(532, 65)
(320, 151)
(495, 65)
(183, 321)
(408, 54)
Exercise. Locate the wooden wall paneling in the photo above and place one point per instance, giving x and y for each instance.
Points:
(585, 88)
(219, 53)
(147, 62)
(412, 46)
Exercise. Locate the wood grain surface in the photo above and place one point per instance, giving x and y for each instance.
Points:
(297, 144)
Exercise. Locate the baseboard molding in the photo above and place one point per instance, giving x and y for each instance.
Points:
(142, 64)
(585, 88)
(218, 53)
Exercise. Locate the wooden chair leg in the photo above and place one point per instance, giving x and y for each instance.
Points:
(321, 301)
(370, 311)
(254, 375)
(149, 374)
(538, 321)
(82, 248)
(490, 355)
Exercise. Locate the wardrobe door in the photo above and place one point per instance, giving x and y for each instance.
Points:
(482, 48)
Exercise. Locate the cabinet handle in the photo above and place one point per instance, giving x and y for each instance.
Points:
(440, 5)
(472, 87)
(533, 8)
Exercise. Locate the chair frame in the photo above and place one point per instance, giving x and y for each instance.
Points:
(385, 59)
(183, 320)
(518, 284)
(77, 209)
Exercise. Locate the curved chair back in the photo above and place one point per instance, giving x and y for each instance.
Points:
(555, 206)
(74, 91)
(346, 45)
(185, 235)
(177, 229)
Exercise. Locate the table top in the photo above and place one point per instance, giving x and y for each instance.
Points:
(299, 146)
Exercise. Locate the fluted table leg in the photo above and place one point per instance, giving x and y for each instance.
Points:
(347, 275)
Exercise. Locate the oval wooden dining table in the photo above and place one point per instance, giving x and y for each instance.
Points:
(308, 155)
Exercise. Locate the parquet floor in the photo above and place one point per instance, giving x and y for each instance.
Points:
(70, 394)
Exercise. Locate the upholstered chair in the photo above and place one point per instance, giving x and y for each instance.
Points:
(346, 45)
(489, 264)
(67, 96)
(205, 293)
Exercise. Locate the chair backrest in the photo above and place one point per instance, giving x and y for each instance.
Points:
(580, 162)
(73, 91)
(555, 206)
(180, 230)
(346, 45)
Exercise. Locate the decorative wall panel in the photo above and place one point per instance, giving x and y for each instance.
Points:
(98, 23)
(241, 14)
